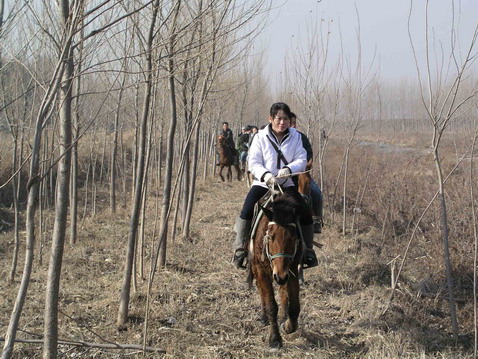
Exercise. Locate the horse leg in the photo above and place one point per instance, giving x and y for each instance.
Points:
(266, 290)
(239, 172)
(290, 326)
(284, 303)
(220, 173)
(264, 318)
(229, 174)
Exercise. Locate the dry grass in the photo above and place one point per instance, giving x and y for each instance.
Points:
(201, 307)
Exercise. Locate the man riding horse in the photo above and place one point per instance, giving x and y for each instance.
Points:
(227, 133)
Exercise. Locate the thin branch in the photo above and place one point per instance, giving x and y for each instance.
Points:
(83, 344)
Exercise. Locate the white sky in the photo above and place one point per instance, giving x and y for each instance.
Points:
(383, 26)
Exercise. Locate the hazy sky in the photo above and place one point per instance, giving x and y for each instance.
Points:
(383, 26)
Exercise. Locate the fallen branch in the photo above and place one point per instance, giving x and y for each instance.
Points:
(94, 345)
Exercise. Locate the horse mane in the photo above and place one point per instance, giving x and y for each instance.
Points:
(285, 209)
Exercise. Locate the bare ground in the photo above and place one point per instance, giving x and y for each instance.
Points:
(201, 306)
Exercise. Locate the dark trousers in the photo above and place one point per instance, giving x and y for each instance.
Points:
(257, 192)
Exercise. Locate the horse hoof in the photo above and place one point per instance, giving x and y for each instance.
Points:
(264, 321)
(275, 346)
(286, 330)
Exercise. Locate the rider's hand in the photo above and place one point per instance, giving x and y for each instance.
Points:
(283, 172)
(269, 179)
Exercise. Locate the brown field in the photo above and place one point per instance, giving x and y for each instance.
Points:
(201, 307)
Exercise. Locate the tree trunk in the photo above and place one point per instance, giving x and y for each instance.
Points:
(103, 157)
(16, 241)
(163, 232)
(62, 196)
(74, 156)
(33, 187)
(126, 285)
(446, 246)
(175, 216)
(16, 190)
(114, 150)
(187, 219)
(74, 182)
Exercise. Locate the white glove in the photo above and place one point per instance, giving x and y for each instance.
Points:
(283, 172)
(269, 179)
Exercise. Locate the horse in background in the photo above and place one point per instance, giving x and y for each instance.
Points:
(275, 253)
(303, 184)
(226, 159)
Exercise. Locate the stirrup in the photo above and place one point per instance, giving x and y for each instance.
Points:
(239, 258)
(317, 227)
(310, 259)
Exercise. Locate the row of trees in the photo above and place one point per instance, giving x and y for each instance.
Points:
(346, 95)
(142, 87)
(73, 68)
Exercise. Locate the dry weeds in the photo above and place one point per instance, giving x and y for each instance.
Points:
(202, 308)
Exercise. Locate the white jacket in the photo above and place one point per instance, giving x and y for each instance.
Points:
(263, 158)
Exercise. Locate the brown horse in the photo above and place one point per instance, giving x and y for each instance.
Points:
(226, 159)
(303, 185)
(275, 253)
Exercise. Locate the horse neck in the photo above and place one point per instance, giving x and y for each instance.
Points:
(260, 233)
(225, 151)
(303, 184)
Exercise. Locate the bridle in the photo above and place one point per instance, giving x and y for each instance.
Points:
(267, 237)
(265, 245)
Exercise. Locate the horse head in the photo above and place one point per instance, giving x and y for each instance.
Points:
(280, 242)
(304, 180)
(221, 140)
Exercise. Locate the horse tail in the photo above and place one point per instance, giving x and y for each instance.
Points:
(250, 276)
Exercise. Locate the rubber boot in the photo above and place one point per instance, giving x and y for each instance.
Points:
(318, 224)
(310, 259)
(242, 229)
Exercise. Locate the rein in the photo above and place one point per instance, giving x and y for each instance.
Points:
(294, 174)
(266, 240)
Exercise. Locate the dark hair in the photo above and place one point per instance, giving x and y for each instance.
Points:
(276, 107)
(292, 115)
(225, 123)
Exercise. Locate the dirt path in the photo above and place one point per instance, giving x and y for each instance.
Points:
(340, 301)
(220, 314)
(201, 306)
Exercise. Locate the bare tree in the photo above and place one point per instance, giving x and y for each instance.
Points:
(70, 19)
(140, 168)
(165, 204)
(444, 97)
(32, 197)
(357, 82)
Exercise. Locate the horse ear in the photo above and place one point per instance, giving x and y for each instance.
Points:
(309, 165)
(267, 212)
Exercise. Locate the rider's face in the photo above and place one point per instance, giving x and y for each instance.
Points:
(225, 127)
(280, 122)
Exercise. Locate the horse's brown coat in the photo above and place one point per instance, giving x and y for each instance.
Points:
(304, 181)
(284, 271)
(226, 159)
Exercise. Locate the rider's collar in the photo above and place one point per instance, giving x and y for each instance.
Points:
(269, 128)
